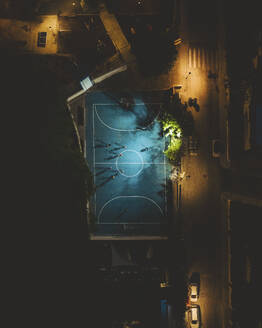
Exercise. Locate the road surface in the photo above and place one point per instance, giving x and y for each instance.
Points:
(200, 74)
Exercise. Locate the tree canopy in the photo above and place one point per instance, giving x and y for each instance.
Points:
(50, 159)
(155, 52)
(177, 122)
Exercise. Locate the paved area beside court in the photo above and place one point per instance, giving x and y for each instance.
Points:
(25, 34)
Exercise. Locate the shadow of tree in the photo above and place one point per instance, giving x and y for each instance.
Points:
(179, 111)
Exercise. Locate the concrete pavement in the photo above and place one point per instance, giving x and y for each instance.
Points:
(116, 34)
(24, 35)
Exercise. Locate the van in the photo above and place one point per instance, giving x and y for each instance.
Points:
(194, 316)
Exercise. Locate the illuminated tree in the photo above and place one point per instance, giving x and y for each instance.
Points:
(172, 131)
(177, 122)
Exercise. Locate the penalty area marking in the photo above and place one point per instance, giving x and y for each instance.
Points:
(129, 163)
(124, 130)
(143, 197)
(139, 104)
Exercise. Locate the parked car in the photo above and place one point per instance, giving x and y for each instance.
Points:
(194, 316)
(194, 292)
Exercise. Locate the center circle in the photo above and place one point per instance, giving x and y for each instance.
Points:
(138, 160)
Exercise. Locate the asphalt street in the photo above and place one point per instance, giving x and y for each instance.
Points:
(200, 200)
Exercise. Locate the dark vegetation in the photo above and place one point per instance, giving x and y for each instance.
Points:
(50, 264)
(19, 9)
(155, 52)
(64, 182)
(57, 179)
(132, 7)
(150, 34)
(241, 40)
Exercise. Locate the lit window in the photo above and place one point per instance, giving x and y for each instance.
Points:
(41, 41)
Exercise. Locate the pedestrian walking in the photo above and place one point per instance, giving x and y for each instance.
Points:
(132, 30)
(188, 75)
(116, 174)
(190, 102)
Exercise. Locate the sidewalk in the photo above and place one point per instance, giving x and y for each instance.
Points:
(116, 34)
(224, 94)
(200, 200)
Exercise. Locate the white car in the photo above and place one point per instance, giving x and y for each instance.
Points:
(193, 292)
(194, 316)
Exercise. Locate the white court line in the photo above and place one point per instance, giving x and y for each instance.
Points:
(123, 130)
(130, 223)
(129, 163)
(143, 197)
(139, 104)
(94, 156)
(165, 184)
